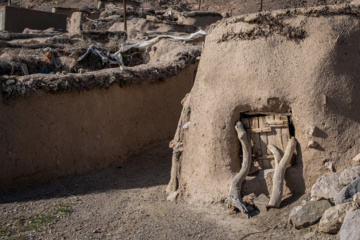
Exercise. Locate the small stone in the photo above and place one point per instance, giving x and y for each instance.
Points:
(261, 202)
(308, 214)
(329, 165)
(97, 231)
(225, 14)
(348, 175)
(312, 144)
(172, 196)
(81, 71)
(10, 81)
(350, 228)
(186, 125)
(333, 217)
(356, 160)
(311, 130)
(326, 187)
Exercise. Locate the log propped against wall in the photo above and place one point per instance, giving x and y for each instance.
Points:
(235, 188)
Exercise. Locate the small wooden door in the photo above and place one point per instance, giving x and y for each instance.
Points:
(263, 130)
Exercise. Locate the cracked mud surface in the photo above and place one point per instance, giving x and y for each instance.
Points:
(128, 202)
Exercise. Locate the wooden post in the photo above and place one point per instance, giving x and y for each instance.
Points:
(124, 9)
(199, 5)
(261, 5)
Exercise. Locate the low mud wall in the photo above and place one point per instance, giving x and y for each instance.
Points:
(45, 135)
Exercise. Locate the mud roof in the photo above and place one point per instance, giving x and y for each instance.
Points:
(25, 85)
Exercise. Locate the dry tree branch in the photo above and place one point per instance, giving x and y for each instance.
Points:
(236, 182)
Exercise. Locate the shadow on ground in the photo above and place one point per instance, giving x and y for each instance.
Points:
(147, 169)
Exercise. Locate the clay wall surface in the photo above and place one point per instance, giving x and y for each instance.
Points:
(17, 19)
(303, 61)
(45, 135)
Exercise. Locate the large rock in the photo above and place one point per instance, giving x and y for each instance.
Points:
(308, 214)
(350, 229)
(347, 193)
(326, 187)
(348, 175)
(333, 217)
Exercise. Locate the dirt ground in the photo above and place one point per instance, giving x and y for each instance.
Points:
(129, 202)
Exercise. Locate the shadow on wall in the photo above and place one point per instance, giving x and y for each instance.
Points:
(345, 64)
(148, 169)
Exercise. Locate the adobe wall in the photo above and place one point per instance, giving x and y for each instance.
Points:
(45, 135)
(17, 19)
(305, 61)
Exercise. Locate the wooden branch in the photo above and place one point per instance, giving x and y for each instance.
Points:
(235, 188)
(280, 167)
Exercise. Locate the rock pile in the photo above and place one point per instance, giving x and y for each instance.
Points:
(339, 189)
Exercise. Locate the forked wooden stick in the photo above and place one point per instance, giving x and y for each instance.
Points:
(280, 167)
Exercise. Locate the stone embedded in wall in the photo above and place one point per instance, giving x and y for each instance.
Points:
(356, 160)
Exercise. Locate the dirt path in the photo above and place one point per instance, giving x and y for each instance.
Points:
(128, 202)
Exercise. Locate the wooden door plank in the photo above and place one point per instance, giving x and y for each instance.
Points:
(255, 137)
(278, 130)
(264, 142)
(285, 135)
(271, 136)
